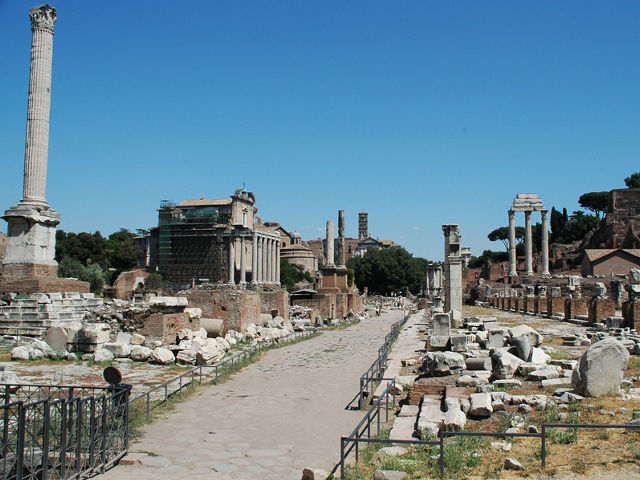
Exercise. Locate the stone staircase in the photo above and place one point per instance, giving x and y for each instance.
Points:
(32, 316)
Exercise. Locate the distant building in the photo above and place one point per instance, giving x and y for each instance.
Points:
(318, 248)
(620, 228)
(363, 225)
(607, 261)
(367, 244)
(298, 253)
(214, 240)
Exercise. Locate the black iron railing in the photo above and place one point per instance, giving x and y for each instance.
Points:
(63, 432)
(375, 373)
(362, 434)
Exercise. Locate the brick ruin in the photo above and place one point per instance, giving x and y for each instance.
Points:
(575, 299)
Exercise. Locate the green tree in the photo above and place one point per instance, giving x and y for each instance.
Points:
(292, 274)
(502, 234)
(386, 270)
(595, 201)
(488, 256)
(577, 227)
(154, 282)
(92, 272)
(82, 247)
(122, 253)
(633, 180)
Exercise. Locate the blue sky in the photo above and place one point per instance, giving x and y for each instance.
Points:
(418, 112)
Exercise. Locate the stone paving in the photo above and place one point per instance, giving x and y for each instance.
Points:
(271, 420)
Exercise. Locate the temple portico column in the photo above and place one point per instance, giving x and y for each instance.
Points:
(269, 261)
(259, 260)
(278, 263)
(528, 247)
(254, 258)
(263, 254)
(232, 261)
(243, 262)
(545, 243)
(512, 244)
(273, 261)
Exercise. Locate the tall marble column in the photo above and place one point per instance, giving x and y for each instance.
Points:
(32, 223)
(278, 263)
(263, 258)
(274, 261)
(341, 241)
(528, 246)
(243, 262)
(329, 250)
(232, 261)
(269, 261)
(512, 244)
(254, 258)
(545, 243)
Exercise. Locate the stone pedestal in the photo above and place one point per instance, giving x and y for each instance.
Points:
(540, 305)
(631, 314)
(555, 305)
(575, 307)
(599, 309)
(334, 279)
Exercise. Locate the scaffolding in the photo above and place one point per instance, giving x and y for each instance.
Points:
(192, 246)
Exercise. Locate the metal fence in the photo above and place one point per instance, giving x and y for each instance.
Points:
(375, 374)
(372, 421)
(64, 432)
(160, 394)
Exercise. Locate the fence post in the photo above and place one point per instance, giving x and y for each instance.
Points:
(126, 394)
(543, 451)
(92, 432)
(341, 458)
(386, 405)
(441, 459)
(103, 454)
(78, 437)
(22, 418)
(63, 439)
(147, 402)
(45, 440)
(166, 397)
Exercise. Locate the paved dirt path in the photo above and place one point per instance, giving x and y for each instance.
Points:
(271, 420)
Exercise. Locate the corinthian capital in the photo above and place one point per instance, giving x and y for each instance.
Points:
(43, 17)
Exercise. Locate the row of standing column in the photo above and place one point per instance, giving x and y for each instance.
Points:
(265, 264)
(528, 244)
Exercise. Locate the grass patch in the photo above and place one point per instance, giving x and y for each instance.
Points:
(343, 324)
(461, 456)
(633, 366)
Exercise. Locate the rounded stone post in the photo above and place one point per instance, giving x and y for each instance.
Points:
(545, 243)
(513, 272)
(528, 246)
(43, 19)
